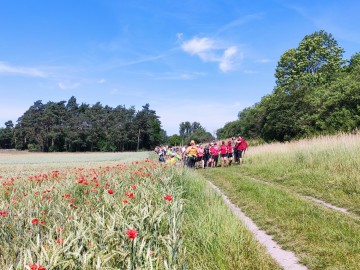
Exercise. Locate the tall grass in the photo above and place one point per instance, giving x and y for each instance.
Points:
(74, 212)
(322, 238)
(327, 167)
(214, 237)
(80, 218)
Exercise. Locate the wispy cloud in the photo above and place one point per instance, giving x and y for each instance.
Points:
(228, 59)
(68, 85)
(23, 71)
(323, 18)
(210, 50)
(240, 21)
(101, 81)
(249, 71)
(178, 76)
(263, 61)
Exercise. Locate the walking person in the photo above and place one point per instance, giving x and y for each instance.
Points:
(241, 146)
(206, 156)
(223, 154)
(214, 154)
(200, 156)
(191, 154)
(236, 144)
(230, 151)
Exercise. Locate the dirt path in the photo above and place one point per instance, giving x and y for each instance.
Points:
(286, 259)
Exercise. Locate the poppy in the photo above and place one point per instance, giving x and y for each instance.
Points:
(131, 233)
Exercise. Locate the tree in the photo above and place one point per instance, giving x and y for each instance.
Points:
(7, 135)
(61, 126)
(316, 62)
(185, 129)
(149, 130)
(175, 140)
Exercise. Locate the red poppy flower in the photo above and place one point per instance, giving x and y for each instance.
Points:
(131, 233)
(130, 195)
(110, 191)
(35, 221)
(168, 198)
(125, 201)
(36, 267)
(60, 241)
(4, 213)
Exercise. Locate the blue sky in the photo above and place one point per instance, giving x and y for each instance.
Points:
(190, 60)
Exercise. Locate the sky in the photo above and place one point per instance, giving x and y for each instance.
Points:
(191, 60)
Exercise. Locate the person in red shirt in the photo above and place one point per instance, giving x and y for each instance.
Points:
(241, 148)
(229, 152)
(199, 159)
(223, 154)
(214, 153)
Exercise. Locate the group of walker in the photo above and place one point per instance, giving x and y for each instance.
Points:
(197, 156)
(204, 156)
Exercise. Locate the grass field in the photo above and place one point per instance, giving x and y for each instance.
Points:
(270, 185)
(115, 211)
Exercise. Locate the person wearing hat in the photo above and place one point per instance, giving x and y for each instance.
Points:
(191, 154)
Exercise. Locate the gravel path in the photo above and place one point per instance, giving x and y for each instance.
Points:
(286, 259)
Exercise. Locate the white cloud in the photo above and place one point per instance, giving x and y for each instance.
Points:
(26, 71)
(68, 85)
(114, 91)
(228, 59)
(209, 50)
(101, 81)
(179, 36)
(263, 61)
(198, 45)
(178, 76)
(249, 71)
(241, 21)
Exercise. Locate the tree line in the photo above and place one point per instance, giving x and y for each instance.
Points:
(68, 126)
(317, 92)
(190, 131)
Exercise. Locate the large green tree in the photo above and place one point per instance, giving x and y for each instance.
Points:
(316, 92)
(67, 126)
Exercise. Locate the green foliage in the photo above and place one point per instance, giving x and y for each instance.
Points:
(61, 126)
(194, 131)
(315, 93)
(175, 140)
(6, 136)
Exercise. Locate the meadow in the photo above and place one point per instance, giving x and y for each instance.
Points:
(128, 211)
(276, 186)
(115, 211)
